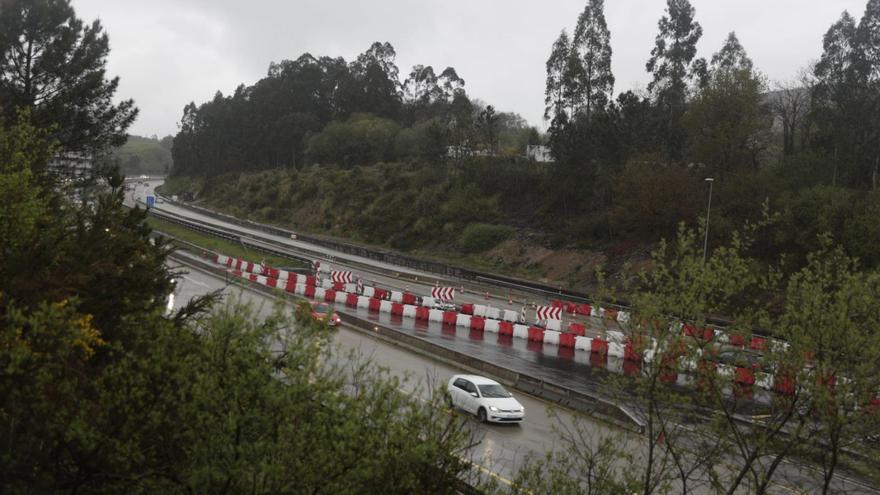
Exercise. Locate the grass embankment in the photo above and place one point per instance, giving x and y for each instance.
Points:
(214, 244)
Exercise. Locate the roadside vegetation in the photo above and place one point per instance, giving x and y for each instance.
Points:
(102, 390)
(363, 150)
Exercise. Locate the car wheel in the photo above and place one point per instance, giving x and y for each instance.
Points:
(481, 415)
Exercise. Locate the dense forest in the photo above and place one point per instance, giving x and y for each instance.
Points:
(349, 149)
(143, 155)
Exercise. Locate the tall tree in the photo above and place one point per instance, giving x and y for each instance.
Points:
(868, 69)
(727, 121)
(554, 93)
(731, 57)
(592, 47)
(834, 105)
(674, 67)
(54, 64)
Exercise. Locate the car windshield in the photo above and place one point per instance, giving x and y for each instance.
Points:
(321, 309)
(493, 392)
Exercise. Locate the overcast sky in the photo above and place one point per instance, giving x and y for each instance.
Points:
(170, 52)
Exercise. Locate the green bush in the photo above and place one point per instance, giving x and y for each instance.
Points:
(479, 237)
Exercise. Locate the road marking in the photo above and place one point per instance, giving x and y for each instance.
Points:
(195, 281)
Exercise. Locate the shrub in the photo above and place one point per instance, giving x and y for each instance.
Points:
(479, 237)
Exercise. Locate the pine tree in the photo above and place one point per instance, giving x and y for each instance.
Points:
(54, 65)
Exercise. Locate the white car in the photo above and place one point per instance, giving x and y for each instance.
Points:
(485, 398)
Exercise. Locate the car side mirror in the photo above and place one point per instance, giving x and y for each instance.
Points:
(474, 394)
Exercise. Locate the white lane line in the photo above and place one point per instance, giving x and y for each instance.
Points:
(195, 281)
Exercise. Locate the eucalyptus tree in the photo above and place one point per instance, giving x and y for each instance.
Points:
(674, 67)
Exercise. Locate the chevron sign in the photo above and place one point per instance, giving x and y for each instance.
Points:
(341, 276)
(548, 313)
(443, 293)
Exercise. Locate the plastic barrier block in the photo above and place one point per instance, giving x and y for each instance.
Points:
(521, 331)
(536, 334)
(330, 295)
(463, 320)
(309, 291)
(380, 293)
(597, 312)
(467, 308)
(435, 315)
(311, 280)
(480, 310)
(253, 277)
(577, 329)
(493, 313)
(567, 340)
(510, 315)
(622, 317)
(599, 346)
(338, 286)
(555, 325)
(551, 337)
(385, 306)
(326, 283)
(290, 285)
(369, 291)
(249, 267)
(570, 307)
(363, 302)
(784, 384)
(423, 313)
(449, 317)
(491, 325)
(351, 300)
(744, 376)
(301, 289)
(408, 298)
(272, 282)
(428, 302)
(396, 296)
(319, 294)
(582, 343)
(758, 343)
(615, 336)
(556, 303)
(409, 310)
(478, 323)
(505, 328)
(615, 349)
(629, 352)
(583, 309)
(764, 380)
(375, 304)
(341, 297)
(397, 309)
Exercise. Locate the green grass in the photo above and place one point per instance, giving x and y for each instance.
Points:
(218, 245)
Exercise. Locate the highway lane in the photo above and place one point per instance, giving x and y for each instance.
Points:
(503, 448)
(416, 281)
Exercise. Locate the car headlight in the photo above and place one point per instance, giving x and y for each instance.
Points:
(493, 408)
(522, 409)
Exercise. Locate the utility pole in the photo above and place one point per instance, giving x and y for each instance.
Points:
(710, 180)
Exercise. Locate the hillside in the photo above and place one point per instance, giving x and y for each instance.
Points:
(144, 155)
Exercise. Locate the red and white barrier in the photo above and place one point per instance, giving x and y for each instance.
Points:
(428, 302)
(385, 306)
(409, 311)
(511, 316)
(341, 297)
(491, 325)
(493, 313)
(435, 315)
(396, 296)
(554, 325)
(548, 313)
(551, 337)
(463, 321)
(521, 331)
(363, 302)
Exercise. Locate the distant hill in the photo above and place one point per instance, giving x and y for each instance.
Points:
(144, 155)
